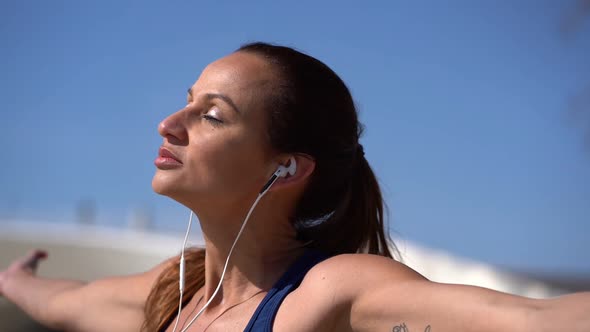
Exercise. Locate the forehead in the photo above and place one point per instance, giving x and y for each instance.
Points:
(241, 76)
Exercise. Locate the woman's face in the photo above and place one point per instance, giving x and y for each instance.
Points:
(216, 149)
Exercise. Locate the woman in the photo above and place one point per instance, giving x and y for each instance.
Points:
(314, 255)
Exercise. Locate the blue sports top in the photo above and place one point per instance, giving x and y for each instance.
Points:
(264, 316)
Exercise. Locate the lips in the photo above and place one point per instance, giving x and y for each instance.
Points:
(166, 160)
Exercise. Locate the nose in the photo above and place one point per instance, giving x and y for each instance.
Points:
(173, 128)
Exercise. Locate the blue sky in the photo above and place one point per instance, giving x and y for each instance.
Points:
(465, 106)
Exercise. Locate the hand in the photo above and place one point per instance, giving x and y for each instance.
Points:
(27, 264)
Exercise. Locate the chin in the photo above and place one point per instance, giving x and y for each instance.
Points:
(171, 186)
(163, 184)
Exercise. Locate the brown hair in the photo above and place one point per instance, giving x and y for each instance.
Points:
(311, 111)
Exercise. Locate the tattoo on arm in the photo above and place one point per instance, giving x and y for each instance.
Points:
(404, 328)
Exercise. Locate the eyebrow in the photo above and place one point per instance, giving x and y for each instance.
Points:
(225, 98)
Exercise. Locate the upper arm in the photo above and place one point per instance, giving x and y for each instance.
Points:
(443, 307)
(110, 304)
(385, 295)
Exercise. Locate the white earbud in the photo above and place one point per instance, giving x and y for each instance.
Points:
(282, 171)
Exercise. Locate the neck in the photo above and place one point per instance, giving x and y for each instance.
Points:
(264, 251)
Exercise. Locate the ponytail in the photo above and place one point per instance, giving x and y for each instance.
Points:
(375, 233)
(356, 224)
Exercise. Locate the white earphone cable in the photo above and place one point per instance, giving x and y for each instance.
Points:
(181, 270)
(260, 195)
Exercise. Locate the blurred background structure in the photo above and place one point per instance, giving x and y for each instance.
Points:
(477, 114)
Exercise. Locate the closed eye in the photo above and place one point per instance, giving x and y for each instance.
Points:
(214, 121)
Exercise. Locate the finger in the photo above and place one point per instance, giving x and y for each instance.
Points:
(32, 261)
(40, 254)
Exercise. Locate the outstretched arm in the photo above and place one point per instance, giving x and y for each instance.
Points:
(427, 306)
(110, 304)
(388, 296)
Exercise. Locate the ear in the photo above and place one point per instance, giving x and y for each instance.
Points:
(305, 167)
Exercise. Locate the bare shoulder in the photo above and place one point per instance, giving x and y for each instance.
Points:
(365, 261)
(354, 272)
(329, 290)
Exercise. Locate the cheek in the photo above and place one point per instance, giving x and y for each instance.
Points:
(233, 163)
